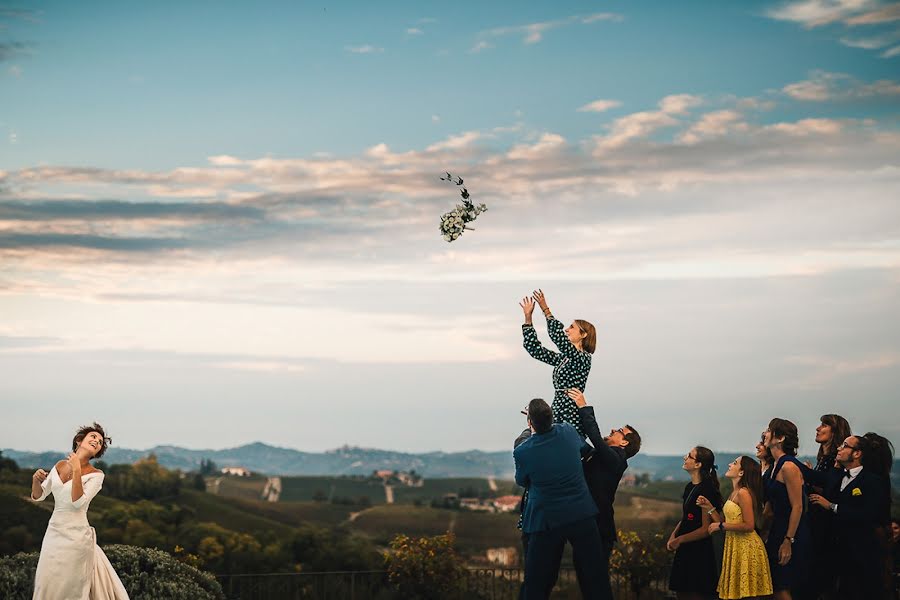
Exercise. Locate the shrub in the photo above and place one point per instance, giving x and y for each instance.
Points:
(146, 574)
(425, 567)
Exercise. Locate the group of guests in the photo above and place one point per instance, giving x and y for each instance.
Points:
(792, 530)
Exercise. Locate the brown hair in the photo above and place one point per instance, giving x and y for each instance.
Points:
(589, 343)
(752, 480)
(840, 431)
(706, 458)
(787, 430)
(540, 415)
(634, 442)
(84, 431)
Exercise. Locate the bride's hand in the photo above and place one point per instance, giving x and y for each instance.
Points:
(527, 305)
(540, 299)
(40, 475)
(74, 462)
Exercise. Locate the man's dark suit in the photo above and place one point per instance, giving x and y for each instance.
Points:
(559, 507)
(603, 469)
(857, 550)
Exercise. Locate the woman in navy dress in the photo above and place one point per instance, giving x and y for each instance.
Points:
(789, 542)
(694, 574)
(832, 430)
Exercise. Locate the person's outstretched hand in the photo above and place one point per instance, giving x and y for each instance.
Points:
(527, 305)
(539, 297)
(576, 395)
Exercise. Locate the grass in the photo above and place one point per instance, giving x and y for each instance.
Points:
(247, 488)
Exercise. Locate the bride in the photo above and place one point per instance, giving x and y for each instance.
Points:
(72, 566)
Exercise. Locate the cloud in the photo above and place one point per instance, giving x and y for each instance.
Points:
(846, 15)
(15, 71)
(599, 106)
(532, 33)
(891, 52)
(824, 370)
(414, 31)
(11, 50)
(824, 86)
(480, 46)
(365, 49)
(642, 124)
(815, 13)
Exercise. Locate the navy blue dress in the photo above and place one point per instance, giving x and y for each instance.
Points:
(794, 575)
(694, 567)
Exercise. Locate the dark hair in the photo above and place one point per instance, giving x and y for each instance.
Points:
(840, 431)
(589, 343)
(787, 430)
(634, 442)
(878, 453)
(84, 431)
(540, 415)
(706, 458)
(752, 480)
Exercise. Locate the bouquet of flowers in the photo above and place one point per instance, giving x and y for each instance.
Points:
(453, 223)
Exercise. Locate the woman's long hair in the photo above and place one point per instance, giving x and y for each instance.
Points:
(707, 459)
(840, 431)
(752, 480)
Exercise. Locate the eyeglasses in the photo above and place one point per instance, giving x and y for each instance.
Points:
(846, 445)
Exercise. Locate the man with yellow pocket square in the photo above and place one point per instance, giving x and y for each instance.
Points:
(855, 500)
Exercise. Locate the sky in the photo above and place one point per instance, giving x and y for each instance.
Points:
(219, 220)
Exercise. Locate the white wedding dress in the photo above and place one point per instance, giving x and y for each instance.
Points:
(72, 566)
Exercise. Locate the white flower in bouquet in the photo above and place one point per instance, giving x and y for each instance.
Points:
(453, 223)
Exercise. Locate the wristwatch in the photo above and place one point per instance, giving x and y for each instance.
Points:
(790, 539)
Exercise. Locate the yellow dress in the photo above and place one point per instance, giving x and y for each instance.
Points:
(745, 565)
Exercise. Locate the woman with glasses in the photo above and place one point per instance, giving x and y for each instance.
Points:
(571, 365)
(694, 572)
(71, 564)
(745, 565)
(789, 542)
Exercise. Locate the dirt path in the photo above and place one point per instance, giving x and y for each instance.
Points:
(492, 483)
(272, 491)
(452, 523)
(389, 494)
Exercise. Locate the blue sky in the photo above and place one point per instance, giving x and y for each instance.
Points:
(228, 211)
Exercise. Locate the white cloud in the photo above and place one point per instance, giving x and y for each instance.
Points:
(456, 142)
(599, 106)
(891, 52)
(414, 31)
(714, 124)
(435, 119)
(824, 86)
(366, 49)
(480, 46)
(642, 124)
(815, 13)
(16, 71)
(532, 33)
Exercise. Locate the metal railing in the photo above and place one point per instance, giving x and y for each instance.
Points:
(479, 584)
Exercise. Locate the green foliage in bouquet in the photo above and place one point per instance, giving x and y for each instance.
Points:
(424, 568)
(146, 574)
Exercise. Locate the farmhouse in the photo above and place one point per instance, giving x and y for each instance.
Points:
(236, 471)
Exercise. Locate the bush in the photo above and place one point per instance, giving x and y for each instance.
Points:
(424, 568)
(146, 574)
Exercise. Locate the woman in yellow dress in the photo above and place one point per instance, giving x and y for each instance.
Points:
(745, 564)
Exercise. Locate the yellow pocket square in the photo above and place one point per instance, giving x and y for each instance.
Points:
(856, 492)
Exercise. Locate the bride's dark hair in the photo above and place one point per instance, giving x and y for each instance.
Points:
(84, 431)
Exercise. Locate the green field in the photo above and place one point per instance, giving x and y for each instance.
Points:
(304, 489)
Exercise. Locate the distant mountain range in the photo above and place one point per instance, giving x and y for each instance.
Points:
(272, 460)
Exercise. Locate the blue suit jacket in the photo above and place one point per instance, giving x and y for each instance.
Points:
(549, 465)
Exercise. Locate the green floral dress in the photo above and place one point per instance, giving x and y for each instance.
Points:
(571, 368)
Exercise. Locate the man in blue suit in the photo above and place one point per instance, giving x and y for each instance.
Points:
(559, 508)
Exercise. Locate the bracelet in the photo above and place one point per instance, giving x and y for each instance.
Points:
(722, 526)
(711, 511)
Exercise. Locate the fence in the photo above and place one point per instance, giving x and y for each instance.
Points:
(479, 584)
